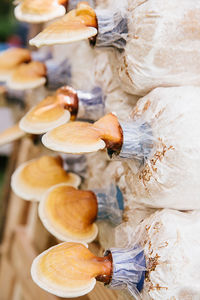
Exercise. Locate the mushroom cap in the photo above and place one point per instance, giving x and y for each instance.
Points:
(79, 24)
(11, 134)
(65, 270)
(83, 137)
(74, 137)
(44, 116)
(10, 59)
(32, 179)
(37, 11)
(69, 214)
(28, 76)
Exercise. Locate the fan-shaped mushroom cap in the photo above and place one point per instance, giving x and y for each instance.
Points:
(83, 137)
(68, 270)
(51, 112)
(11, 134)
(69, 214)
(28, 76)
(32, 179)
(77, 25)
(11, 59)
(37, 11)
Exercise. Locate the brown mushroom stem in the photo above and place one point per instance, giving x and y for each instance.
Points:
(106, 269)
(111, 132)
(67, 98)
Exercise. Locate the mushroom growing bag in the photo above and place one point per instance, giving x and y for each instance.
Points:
(170, 240)
(169, 176)
(163, 45)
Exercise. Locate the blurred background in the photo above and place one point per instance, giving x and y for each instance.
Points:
(12, 34)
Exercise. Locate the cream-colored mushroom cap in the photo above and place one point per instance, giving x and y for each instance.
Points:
(11, 134)
(37, 11)
(28, 76)
(68, 270)
(83, 137)
(77, 25)
(51, 112)
(10, 59)
(32, 179)
(44, 117)
(69, 214)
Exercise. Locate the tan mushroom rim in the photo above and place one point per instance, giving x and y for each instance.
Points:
(11, 134)
(69, 214)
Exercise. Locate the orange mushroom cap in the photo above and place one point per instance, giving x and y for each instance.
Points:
(32, 179)
(69, 214)
(70, 269)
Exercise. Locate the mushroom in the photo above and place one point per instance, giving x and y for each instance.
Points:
(83, 137)
(71, 270)
(28, 76)
(11, 134)
(77, 25)
(59, 108)
(159, 146)
(32, 179)
(10, 59)
(69, 214)
(35, 11)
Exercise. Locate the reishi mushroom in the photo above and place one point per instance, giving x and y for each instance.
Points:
(36, 11)
(69, 214)
(64, 105)
(32, 179)
(11, 134)
(10, 59)
(28, 76)
(83, 137)
(78, 24)
(69, 270)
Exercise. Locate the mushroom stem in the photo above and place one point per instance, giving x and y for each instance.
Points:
(105, 269)
(111, 132)
(67, 96)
